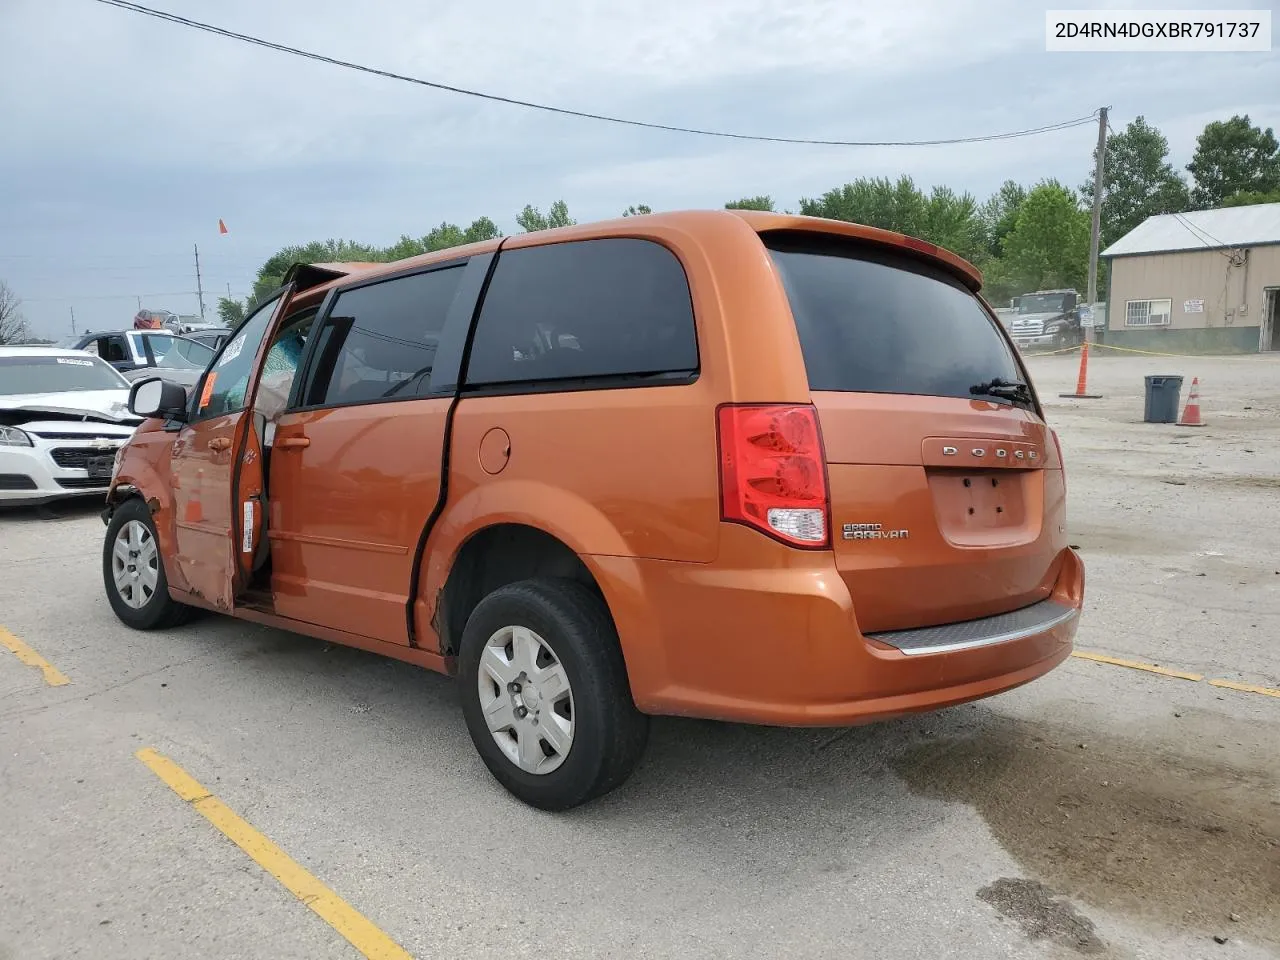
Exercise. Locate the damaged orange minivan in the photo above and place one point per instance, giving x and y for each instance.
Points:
(737, 465)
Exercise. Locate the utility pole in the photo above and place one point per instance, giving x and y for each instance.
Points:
(139, 304)
(1099, 169)
(199, 286)
(73, 320)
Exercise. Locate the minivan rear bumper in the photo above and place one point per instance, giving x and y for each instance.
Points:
(775, 641)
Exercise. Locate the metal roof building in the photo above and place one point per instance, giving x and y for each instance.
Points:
(1203, 281)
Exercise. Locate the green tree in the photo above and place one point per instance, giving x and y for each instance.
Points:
(943, 217)
(531, 218)
(1139, 181)
(952, 220)
(403, 248)
(480, 229)
(1247, 198)
(451, 235)
(763, 202)
(875, 202)
(442, 237)
(230, 311)
(271, 274)
(1233, 156)
(637, 210)
(1048, 246)
(999, 214)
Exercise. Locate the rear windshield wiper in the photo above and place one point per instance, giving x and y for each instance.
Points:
(1013, 390)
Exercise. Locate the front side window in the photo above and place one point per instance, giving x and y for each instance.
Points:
(223, 388)
(379, 340)
(609, 309)
(281, 364)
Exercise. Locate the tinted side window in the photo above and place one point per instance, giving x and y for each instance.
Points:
(588, 309)
(113, 349)
(379, 341)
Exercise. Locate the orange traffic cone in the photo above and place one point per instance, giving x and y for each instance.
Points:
(1191, 412)
(1082, 391)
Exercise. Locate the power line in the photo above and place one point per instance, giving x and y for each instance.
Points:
(564, 111)
(123, 256)
(156, 277)
(1200, 234)
(110, 296)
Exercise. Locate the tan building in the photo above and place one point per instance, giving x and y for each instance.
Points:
(1205, 281)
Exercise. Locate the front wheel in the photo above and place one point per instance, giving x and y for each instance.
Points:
(545, 694)
(133, 571)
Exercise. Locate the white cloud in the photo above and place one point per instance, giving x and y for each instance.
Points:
(127, 137)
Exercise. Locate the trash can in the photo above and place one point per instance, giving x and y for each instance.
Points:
(1163, 394)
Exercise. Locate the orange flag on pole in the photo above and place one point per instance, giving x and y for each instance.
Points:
(222, 227)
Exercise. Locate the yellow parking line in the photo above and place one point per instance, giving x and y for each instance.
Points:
(1245, 687)
(1136, 665)
(354, 926)
(52, 675)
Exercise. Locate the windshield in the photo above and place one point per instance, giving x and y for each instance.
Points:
(873, 321)
(179, 353)
(45, 374)
(1045, 303)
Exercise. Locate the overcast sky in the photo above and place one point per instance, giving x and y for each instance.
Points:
(125, 138)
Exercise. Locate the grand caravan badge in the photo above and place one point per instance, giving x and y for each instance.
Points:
(873, 531)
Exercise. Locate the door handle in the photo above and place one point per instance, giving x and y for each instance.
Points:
(220, 443)
(292, 443)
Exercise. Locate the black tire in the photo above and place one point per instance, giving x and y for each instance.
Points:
(160, 611)
(609, 733)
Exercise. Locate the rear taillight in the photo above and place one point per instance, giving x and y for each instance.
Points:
(773, 474)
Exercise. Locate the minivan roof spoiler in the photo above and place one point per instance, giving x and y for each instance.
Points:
(957, 266)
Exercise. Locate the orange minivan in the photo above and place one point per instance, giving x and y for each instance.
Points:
(736, 465)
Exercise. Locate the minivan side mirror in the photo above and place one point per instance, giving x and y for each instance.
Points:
(155, 397)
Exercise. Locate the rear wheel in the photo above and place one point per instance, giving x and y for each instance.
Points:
(545, 693)
(133, 571)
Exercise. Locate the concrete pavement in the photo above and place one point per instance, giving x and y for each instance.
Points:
(1102, 810)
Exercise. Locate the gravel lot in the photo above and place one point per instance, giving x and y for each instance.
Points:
(1100, 811)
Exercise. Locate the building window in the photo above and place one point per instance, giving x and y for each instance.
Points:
(1147, 313)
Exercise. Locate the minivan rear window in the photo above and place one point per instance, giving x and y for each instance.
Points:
(871, 321)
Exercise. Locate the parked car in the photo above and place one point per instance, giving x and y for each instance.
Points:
(152, 319)
(63, 416)
(211, 337)
(182, 358)
(735, 465)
